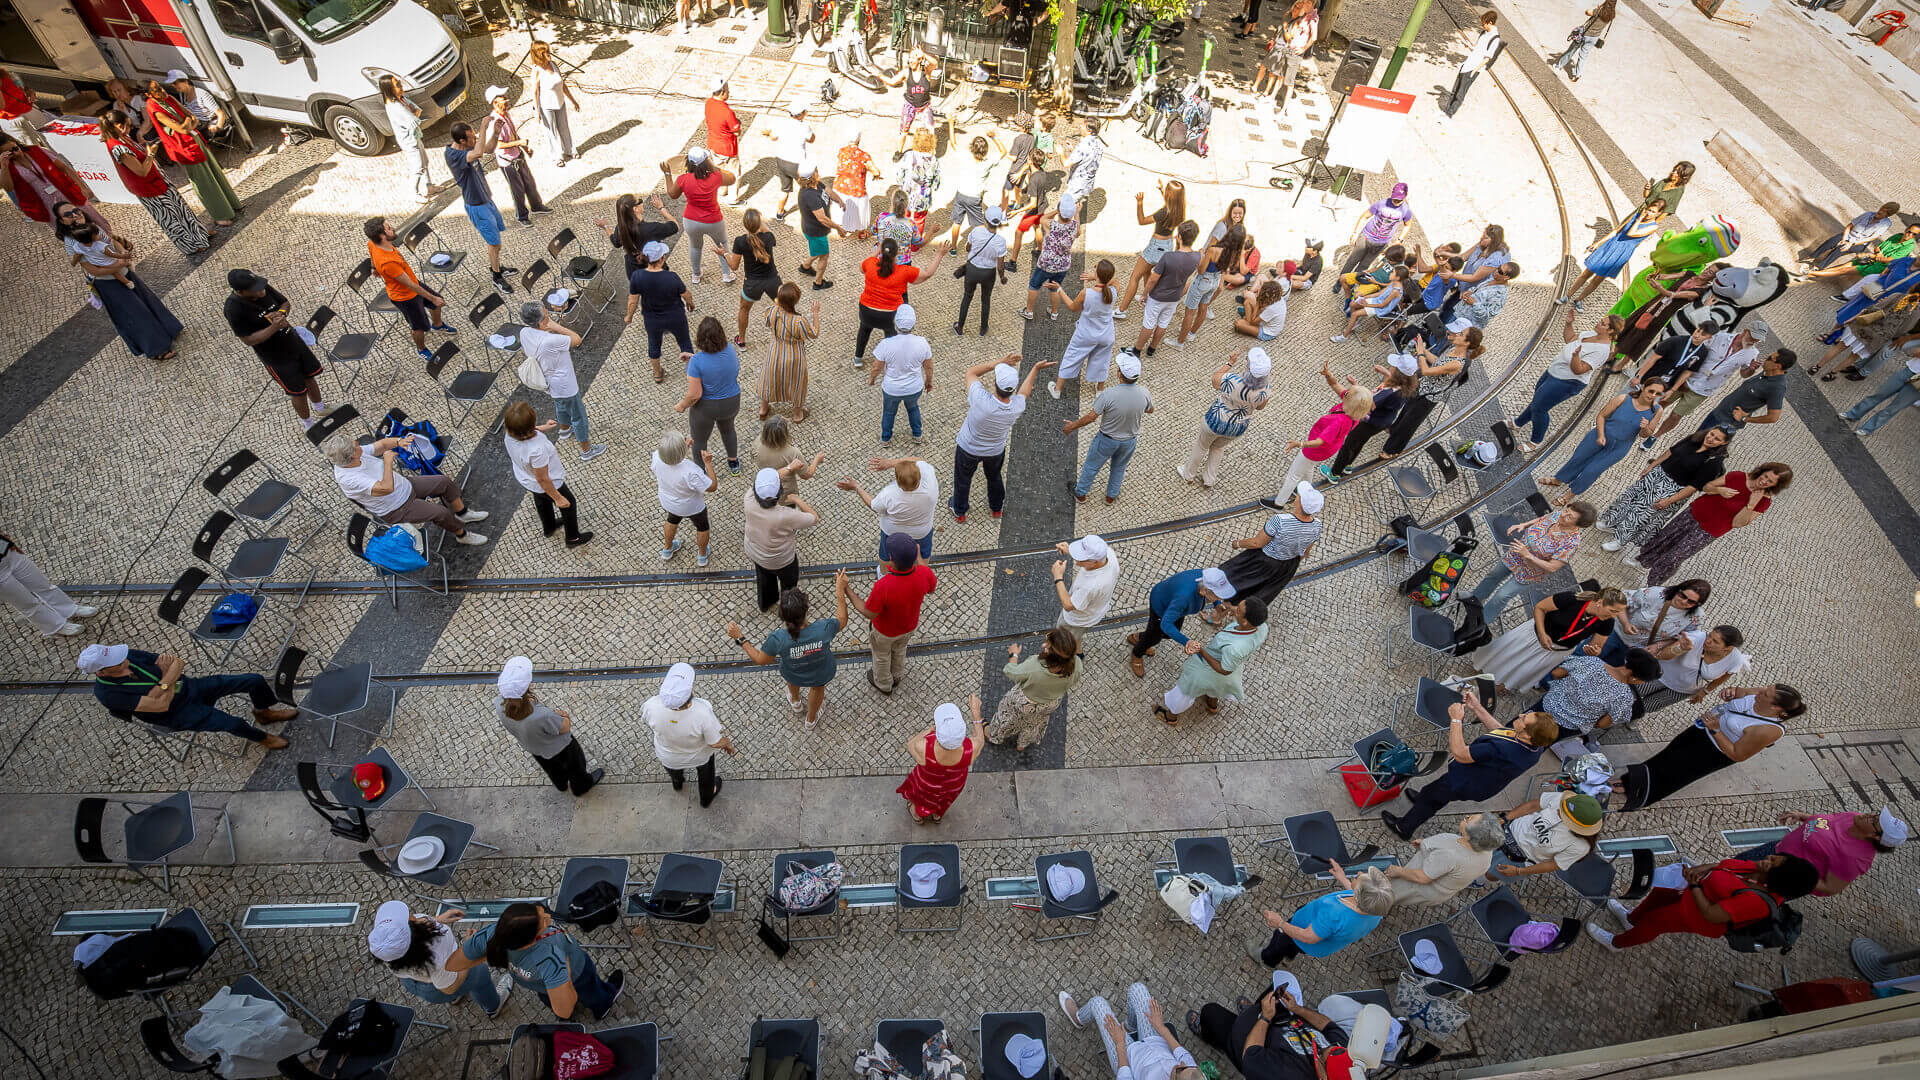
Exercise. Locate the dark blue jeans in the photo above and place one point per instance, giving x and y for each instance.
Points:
(194, 704)
(963, 466)
(890, 406)
(595, 995)
(1547, 393)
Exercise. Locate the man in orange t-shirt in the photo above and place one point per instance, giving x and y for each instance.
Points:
(419, 305)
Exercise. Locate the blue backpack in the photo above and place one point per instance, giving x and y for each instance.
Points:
(392, 428)
(394, 550)
(234, 609)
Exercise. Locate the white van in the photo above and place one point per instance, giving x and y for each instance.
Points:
(312, 63)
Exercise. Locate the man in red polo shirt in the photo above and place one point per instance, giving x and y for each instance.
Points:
(893, 607)
(723, 132)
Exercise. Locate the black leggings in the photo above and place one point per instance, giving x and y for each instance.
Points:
(871, 320)
(568, 768)
(704, 772)
(769, 583)
(981, 278)
(1407, 424)
(1351, 446)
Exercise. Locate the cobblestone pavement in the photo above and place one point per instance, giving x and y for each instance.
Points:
(1829, 623)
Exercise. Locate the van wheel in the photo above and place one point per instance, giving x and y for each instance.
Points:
(347, 127)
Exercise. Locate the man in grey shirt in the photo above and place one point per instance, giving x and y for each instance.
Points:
(1119, 409)
(1166, 285)
(545, 733)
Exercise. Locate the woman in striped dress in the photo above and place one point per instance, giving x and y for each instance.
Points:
(1665, 486)
(783, 381)
(942, 754)
(1269, 557)
(142, 177)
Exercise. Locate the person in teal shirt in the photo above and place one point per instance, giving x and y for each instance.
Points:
(1330, 923)
(543, 958)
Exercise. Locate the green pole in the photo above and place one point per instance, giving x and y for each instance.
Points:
(778, 32)
(1406, 42)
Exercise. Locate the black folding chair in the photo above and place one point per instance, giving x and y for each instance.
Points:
(350, 349)
(357, 527)
(777, 1040)
(906, 1040)
(347, 822)
(949, 890)
(449, 262)
(698, 881)
(269, 503)
(152, 834)
(468, 386)
(581, 873)
(784, 865)
(1086, 904)
(998, 1029)
(253, 562)
(156, 1034)
(334, 692)
(340, 417)
(205, 633)
(484, 312)
(1315, 843)
(581, 270)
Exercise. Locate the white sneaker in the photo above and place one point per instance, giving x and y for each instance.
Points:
(307, 424)
(1620, 911)
(1177, 343)
(1633, 562)
(470, 515)
(1604, 937)
(83, 611)
(1612, 545)
(320, 408)
(471, 538)
(68, 629)
(503, 989)
(727, 277)
(1120, 314)
(798, 705)
(1184, 474)
(669, 552)
(1053, 389)
(1337, 338)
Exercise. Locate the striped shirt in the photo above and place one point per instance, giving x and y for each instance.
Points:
(1291, 536)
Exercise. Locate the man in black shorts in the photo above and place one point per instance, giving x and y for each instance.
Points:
(416, 303)
(258, 315)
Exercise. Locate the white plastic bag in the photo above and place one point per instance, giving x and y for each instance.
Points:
(249, 1034)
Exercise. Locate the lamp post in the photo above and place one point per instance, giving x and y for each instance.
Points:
(1406, 42)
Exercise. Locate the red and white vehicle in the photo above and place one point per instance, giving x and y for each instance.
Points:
(306, 62)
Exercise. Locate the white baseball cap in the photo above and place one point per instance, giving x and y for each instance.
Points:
(1128, 362)
(719, 83)
(516, 677)
(1459, 325)
(1310, 498)
(1259, 364)
(1089, 548)
(390, 936)
(176, 75)
(904, 317)
(949, 727)
(497, 91)
(798, 108)
(96, 658)
(766, 483)
(677, 688)
(696, 155)
(1893, 831)
(1215, 579)
(1005, 376)
(1404, 363)
(923, 879)
(653, 251)
(808, 169)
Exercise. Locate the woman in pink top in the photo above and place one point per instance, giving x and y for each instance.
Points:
(1324, 438)
(698, 185)
(1540, 547)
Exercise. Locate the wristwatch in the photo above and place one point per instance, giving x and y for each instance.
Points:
(740, 641)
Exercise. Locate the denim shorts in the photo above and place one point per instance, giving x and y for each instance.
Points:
(1039, 278)
(1155, 248)
(1202, 288)
(487, 222)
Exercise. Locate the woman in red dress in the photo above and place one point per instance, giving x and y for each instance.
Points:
(942, 754)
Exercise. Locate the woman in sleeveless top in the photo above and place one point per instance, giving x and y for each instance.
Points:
(941, 754)
(1750, 719)
(1522, 656)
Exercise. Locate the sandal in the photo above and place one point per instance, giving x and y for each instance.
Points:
(1193, 1022)
(1243, 1003)
(1212, 704)
(1829, 376)
(1166, 717)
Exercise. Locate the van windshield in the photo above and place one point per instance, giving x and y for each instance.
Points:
(322, 20)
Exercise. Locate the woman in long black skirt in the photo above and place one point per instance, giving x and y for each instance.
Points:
(1750, 719)
(1270, 557)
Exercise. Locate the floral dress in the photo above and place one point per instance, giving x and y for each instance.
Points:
(902, 232)
(919, 176)
(1546, 545)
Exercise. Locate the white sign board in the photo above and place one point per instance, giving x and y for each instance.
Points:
(77, 138)
(1368, 126)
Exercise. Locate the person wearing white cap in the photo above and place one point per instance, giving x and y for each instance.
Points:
(500, 136)
(1438, 376)
(1268, 559)
(970, 179)
(663, 302)
(41, 602)
(1396, 385)
(416, 949)
(905, 506)
(686, 732)
(700, 185)
(1170, 601)
(772, 523)
(791, 136)
(1038, 684)
(1091, 346)
(134, 684)
(904, 359)
(1119, 409)
(1839, 845)
(1153, 1053)
(1086, 603)
(1240, 396)
(941, 755)
(1211, 672)
(212, 117)
(816, 224)
(544, 732)
(723, 134)
(1057, 229)
(982, 440)
(803, 648)
(986, 258)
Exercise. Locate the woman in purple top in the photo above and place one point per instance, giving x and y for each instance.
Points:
(1381, 225)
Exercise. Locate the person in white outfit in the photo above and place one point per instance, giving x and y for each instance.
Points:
(403, 117)
(552, 95)
(1154, 1053)
(33, 596)
(1091, 349)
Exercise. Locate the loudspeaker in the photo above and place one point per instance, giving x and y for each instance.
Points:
(1356, 65)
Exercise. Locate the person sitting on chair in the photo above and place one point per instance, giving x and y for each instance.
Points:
(368, 476)
(136, 684)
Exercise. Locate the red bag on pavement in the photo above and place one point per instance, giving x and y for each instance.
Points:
(577, 1056)
(1363, 789)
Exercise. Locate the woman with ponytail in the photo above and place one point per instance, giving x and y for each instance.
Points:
(752, 255)
(543, 958)
(887, 277)
(1438, 376)
(1092, 345)
(1748, 720)
(803, 649)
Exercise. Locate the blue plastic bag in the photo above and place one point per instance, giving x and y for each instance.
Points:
(394, 550)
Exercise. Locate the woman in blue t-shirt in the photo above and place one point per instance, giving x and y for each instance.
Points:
(713, 390)
(804, 650)
(1324, 926)
(543, 958)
